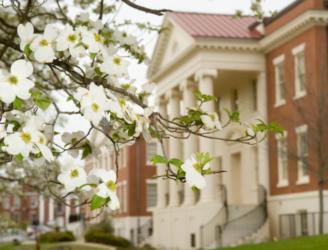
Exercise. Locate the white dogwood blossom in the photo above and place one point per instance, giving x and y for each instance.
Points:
(25, 33)
(115, 66)
(107, 188)
(16, 83)
(72, 177)
(211, 121)
(193, 170)
(94, 103)
(68, 39)
(43, 45)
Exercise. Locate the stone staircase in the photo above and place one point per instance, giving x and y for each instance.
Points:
(236, 224)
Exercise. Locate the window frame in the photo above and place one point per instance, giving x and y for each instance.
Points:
(282, 182)
(148, 183)
(279, 63)
(148, 161)
(301, 177)
(297, 51)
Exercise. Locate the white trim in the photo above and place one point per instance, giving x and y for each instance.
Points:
(300, 48)
(293, 28)
(151, 181)
(281, 182)
(301, 129)
(295, 196)
(296, 51)
(278, 60)
(301, 179)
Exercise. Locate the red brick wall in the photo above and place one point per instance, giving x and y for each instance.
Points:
(136, 180)
(297, 112)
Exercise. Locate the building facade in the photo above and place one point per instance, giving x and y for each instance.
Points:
(33, 209)
(265, 70)
(136, 189)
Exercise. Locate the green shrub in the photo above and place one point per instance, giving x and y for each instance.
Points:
(106, 238)
(51, 237)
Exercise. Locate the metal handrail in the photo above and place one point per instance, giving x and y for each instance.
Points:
(146, 230)
(211, 231)
(214, 231)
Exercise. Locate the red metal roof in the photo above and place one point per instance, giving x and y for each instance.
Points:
(216, 25)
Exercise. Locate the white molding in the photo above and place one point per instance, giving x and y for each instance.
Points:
(278, 59)
(294, 28)
(301, 129)
(282, 183)
(295, 196)
(300, 48)
(303, 180)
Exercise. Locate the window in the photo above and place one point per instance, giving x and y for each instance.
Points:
(151, 150)
(299, 61)
(193, 240)
(234, 100)
(280, 80)
(302, 154)
(282, 161)
(151, 194)
(17, 202)
(34, 201)
(6, 202)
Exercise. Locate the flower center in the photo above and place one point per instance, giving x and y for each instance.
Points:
(26, 137)
(117, 60)
(111, 185)
(97, 37)
(94, 107)
(197, 167)
(72, 38)
(74, 173)
(124, 34)
(13, 80)
(41, 140)
(43, 43)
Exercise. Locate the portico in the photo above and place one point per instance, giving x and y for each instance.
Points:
(232, 70)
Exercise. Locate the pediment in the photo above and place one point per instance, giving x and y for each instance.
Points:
(171, 43)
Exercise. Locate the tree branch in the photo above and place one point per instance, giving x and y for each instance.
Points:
(158, 12)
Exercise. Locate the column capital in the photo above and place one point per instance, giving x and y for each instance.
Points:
(188, 84)
(212, 73)
(161, 100)
(173, 93)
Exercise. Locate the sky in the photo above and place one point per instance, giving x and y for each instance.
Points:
(208, 6)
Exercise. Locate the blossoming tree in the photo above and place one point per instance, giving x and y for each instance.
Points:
(56, 67)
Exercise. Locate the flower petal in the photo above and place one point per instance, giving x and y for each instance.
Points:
(22, 68)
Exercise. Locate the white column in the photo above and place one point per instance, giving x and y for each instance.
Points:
(41, 210)
(263, 146)
(51, 210)
(190, 145)
(205, 79)
(162, 184)
(174, 144)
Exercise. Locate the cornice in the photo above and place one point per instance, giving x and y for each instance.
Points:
(294, 28)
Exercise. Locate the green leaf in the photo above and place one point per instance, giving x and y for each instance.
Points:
(176, 162)
(19, 157)
(18, 103)
(98, 202)
(27, 50)
(41, 100)
(158, 159)
(87, 150)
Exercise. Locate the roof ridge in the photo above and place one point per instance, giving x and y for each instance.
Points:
(207, 13)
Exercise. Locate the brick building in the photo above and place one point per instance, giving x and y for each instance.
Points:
(136, 189)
